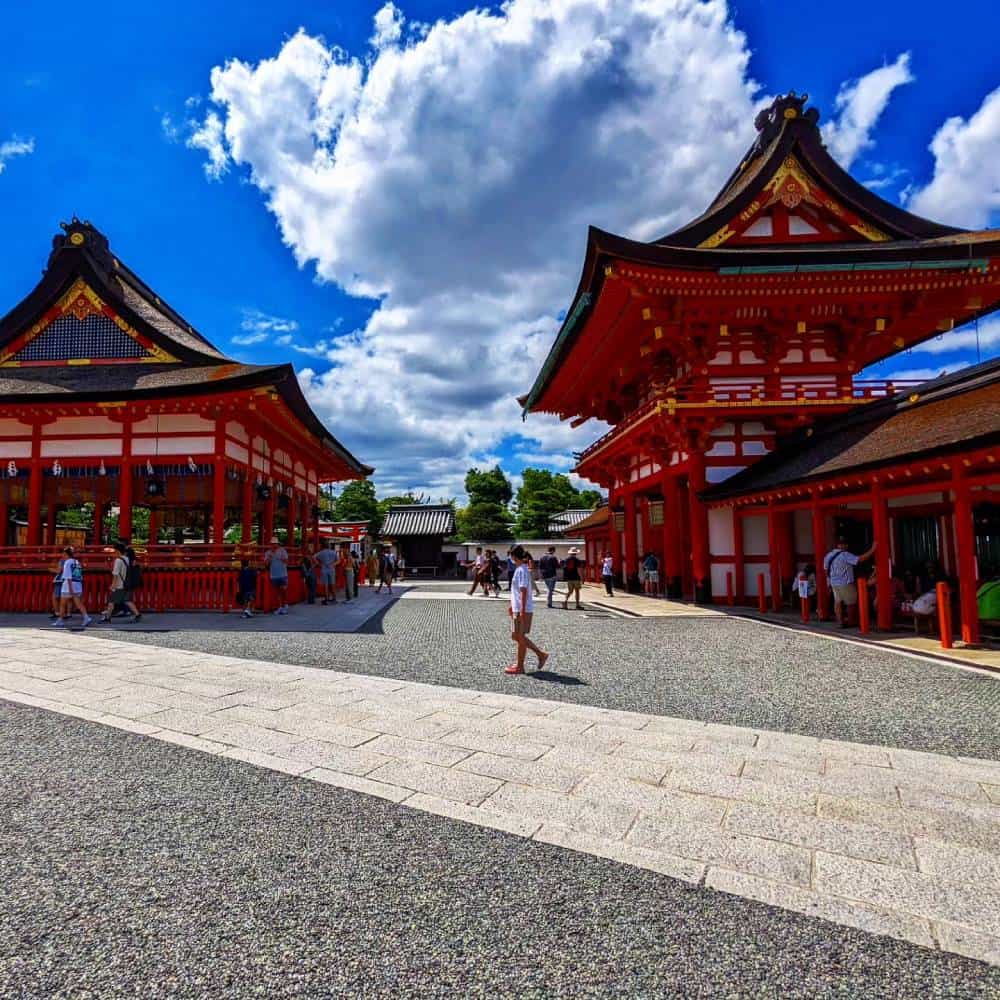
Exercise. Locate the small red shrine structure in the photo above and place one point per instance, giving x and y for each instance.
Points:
(742, 335)
(111, 401)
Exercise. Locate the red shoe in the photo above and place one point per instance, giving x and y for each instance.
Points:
(514, 669)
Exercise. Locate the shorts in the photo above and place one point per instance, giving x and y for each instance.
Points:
(521, 626)
(57, 590)
(119, 596)
(573, 585)
(652, 576)
(279, 581)
(326, 577)
(846, 593)
(71, 588)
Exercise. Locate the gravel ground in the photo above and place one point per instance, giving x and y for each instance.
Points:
(132, 868)
(728, 670)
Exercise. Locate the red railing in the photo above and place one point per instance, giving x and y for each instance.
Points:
(174, 577)
(754, 393)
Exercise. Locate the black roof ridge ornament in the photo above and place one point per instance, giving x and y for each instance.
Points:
(83, 235)
(784, 108)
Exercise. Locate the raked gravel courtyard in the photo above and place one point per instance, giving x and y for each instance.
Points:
(844, 791)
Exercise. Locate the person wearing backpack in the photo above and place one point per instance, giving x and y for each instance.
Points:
(72, 589)
(651, 566)
(839, 566)
(122, 576)
(549, 565)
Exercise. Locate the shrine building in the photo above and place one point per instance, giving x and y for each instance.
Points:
(111, 403)
(726, 357)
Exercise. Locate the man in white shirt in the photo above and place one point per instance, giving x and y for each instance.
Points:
(522, 608)
(839, 565)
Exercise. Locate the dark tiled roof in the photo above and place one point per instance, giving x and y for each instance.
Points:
(567, 519)
(419, 519)
(960, 410)
(596, 519)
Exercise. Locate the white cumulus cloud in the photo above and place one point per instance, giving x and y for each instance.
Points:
(965, 188)
(14, 147)
(858, 107)
(451, 173)
(258, 326)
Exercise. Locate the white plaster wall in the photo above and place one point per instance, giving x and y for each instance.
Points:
(237, 451)
(12, 428)
(236, 430)
(80, 425)
(720, 531)
(70, 449)
(802, 519)
(719, 571)
(755, 535)
(750, 579)
(15, 449)
(173, 446)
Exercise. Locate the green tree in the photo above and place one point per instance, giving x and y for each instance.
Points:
(386, 502)
(544, 493)
(486, 518)
(357, 502)
(588, 499)
(491, 486)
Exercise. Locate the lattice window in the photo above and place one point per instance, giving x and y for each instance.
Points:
(655, 513)
(93, 337)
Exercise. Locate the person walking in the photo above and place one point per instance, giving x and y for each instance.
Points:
(57, 594)
(72, 589)
(549, 566)
(608, 573)
(326, 560)
(119, 593)
(651, 565)
(371, 567)
(571, 577)
(347, 564)
(308, 569)
(385, 569)
(839, 564)
(276, 561)
(533, 570)
(521, 611)
(476, 566)
(246, 588)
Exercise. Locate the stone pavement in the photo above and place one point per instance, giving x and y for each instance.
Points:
(894, 842)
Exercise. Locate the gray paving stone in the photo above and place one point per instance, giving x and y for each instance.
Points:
(129, 725)
(836, 836)
(477, 815)
(542, 723)
(974, 906)
(934, 824)
(485, 727)
(272, 700)
(627, 854)
(331, 732)
(858, 753)
(587, 761)
(407, 728)
(252, 738)
(944, 784)
(969, 942)
(536, 773)
(359, 760)
(440, 781)
(781, 862)
(841, 911)
(358, 784)
(651, 799)
(609, 820)
(981, 810)
(728, 787)
(267, 760)
(713, 763)
(179, 721)
(992, 792)
(583, 742)
(469, 739)
(958, 864)
(420, 750)
(191, 742)
(880, 788)
(249, 716)
(592, 714)
(669, 741)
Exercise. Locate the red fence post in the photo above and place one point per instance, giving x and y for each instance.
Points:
(944, 613)
(761, 596)
(804, 602)
(730, 597)
(864, 611)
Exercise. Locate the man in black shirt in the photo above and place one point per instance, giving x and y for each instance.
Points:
(549, 567)
(572, 578)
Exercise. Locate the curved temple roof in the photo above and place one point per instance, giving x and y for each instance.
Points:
(787, 162)
(94, 330)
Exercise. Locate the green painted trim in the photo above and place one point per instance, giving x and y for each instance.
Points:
(972, 264)
(567, 328)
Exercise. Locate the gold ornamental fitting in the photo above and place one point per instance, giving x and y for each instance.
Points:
(77, 239)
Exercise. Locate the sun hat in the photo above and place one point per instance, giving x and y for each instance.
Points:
(574, 551)
(274, 540)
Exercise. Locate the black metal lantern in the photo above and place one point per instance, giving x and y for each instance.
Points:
(263, 491)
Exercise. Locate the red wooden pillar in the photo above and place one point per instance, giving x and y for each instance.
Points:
(819, 551)
(125, 480)
(267, 520)
(739, 565)
(219, 501)
(100, 507)
(4, 522)
(883, 558)
(246, 514)
(154, 525)
(630, 565)
(772, 556)
(786, 545)
(965, 555)
(50, 513)
(35, 504)
(700, 562)
(672, 566)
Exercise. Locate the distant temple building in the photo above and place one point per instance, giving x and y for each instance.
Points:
(418, 531)
(109, 398)
(738, 339)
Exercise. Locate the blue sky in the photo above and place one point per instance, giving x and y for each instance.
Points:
(401, 194)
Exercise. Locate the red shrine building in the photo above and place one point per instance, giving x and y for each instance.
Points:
(726, 357)
(112, 403)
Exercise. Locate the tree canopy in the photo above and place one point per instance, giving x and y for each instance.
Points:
(544, 493)
(357, 502)
(486, 517)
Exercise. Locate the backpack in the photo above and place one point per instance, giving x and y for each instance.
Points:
(77, 572)
(133, 575)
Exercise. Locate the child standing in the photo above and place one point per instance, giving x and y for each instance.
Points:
(247, 587)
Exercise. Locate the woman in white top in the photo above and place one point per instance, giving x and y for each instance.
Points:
(608, 574)
(72, 589)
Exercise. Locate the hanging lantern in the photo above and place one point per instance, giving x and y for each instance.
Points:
(12, 469)
(149, 468)
(102, 471)
(56, 468)
(192, 465)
